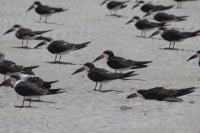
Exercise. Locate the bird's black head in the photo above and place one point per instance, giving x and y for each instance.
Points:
(15, 76)
(109, 53)
(141, 2)
(29, 72)
(2, 55)
(48, 39)
(136, 17)
(198, 52)
(17, 26)
(37, 3)
(89, 65)
(162, 28)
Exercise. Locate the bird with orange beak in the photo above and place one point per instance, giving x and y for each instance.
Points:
(44, 11)
(114, 5)
(119, 63)
(195, 56)
(162, 94)
(99, 75)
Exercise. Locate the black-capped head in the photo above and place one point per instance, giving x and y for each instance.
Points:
(17, 26)
(29, 72)
(37, 3)
(136, 17)
(15, 76)
(141, 2)
(89, 65)
(2, 55)
(109, 53)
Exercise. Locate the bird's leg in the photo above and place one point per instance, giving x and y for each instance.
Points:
(169, 45)
(45, 20)
(55, 57)
(27, 43)
(100, 86)
(144, 34)
(95, 86)
(173, 45)
(23, 102)
(121, 72)
(177, 5)
(39, 99)
(30, 102)
(180, 4)
(60, 58)
(22, 42)
(115, 71)
(40, 19)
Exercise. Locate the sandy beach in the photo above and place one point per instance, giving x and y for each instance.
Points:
(82, 110)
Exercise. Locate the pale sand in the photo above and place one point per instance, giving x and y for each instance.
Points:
(82, 110)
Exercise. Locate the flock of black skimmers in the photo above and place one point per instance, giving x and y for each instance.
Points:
(30, 86)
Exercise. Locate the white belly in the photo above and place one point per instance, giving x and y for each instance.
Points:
(31, 38)
(29, 97)
(65, 52)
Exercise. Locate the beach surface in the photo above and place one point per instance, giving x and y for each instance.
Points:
(81, 109)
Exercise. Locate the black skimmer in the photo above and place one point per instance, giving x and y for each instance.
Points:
(174, 36)
(114, 5)
(119, 63)
(8, 68)
(162, 94)
(145, 25)
(29, 76)
(60, 47)
(146, 7)
(164, 17)
(195, 56)
(101, 75)
(45, 11)
(26, 34)
(26, 89)
(180, 2)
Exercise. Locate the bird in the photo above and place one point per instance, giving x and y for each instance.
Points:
(119, 63)
(145, 25)
(162, 94)
(44, 11)
(60, 47)
(114, 5)
(146, 7)
(179, 4)
(8, 67)
(195, 56)
(101, 75)
(26, 89)
(164, 17)
(173, 35)
(26, 34)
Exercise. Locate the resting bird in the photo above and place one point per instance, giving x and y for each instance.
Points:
(162, 94)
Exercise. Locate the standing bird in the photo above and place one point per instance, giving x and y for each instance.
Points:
(174, 36)
(145, 25)
(26, 34)
(195, 56)
(44, 11)
(119, 63)
(180, 2)
(8, 67)
(164, 17)
(146, 7)
(60, 47)
(162, 94)
(26, 89)
(114, 5)
(101, 75)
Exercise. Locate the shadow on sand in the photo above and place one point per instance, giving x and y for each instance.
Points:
(23, 47)
(115, 15)
(46, 23)
(62, 63)
(176, 49)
